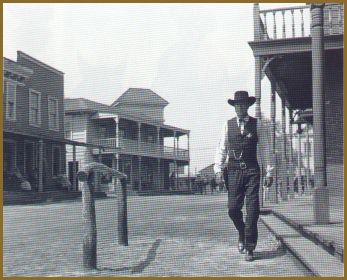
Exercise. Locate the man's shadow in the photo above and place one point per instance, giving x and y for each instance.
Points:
(270, 254)
(142, 265)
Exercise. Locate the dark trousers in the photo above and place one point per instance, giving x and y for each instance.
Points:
(244, 184)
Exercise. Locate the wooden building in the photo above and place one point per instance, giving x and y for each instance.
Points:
(300, 50)
(33, 114)
(134, 135)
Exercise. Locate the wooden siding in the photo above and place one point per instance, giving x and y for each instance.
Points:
(47, 83)
(146, 112)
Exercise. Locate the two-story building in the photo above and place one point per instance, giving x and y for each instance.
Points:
(135, 137)
(33, 114)
(300, 50)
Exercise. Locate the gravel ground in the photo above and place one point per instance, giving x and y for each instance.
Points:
(168, 236)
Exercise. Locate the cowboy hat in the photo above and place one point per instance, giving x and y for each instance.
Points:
(241, 96)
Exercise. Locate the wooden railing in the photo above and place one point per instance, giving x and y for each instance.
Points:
(292, 22)
(145, 149)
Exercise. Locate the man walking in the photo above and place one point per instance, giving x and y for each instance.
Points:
(238, 143)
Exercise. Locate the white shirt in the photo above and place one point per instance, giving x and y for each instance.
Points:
(263, 150)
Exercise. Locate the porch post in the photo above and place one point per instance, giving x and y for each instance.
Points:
(114, 166)
(256, 22)
(321, 190)
(74, 169)
(274, 197)
(291, 159)
(257, 87)
(299, 164)
(139, 137)
(175, 145)
(40, 183)
(284, 155)
(158, 140)
(131, 173)
(159, 175)
(176, 176)
(308, 158)
(188, 145)
(140, 171)
(117, 131)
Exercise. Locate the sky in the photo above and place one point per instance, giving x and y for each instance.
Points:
(193, 55)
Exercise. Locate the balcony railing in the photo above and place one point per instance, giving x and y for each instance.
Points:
(293, 22)
(129, 146)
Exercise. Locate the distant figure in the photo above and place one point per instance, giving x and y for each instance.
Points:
(172, 180)
(268, 181)
(213, 185)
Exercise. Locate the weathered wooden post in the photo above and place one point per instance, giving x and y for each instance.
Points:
(89, 220)
(122, 213)
(86, 175)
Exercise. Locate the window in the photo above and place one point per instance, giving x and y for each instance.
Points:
(10, 93)
(56, 161)
(34, 108)
(53, 118)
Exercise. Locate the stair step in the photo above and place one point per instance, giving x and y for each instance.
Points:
(314, 257)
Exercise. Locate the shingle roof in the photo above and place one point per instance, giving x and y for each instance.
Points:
(85, 105)
(140, 96)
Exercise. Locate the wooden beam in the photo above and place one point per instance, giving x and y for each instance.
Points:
(293, 45)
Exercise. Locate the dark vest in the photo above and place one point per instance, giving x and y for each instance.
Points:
(245, 143)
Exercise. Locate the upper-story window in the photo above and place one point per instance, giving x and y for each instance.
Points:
(53, 113)
(10, 93)
(34, 108)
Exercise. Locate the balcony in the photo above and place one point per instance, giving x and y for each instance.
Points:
(287, 30)
(132, 147)
(294, 22)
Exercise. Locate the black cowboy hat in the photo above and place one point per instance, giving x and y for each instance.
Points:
(241, 96)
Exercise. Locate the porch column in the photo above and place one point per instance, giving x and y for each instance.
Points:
(291, 157)
(299, 163)
(256, 22)
(274, 196)
(139, 136)
(40, 186)
(158, 140)
(321, 191)
(117, 131)
(284, 155)
(131, 174)
(257, 82)
(175, 145)
(188, 146)
(114, 166)
(140, 163)
(307, 158)
(159, 175)
(74, 169)
(176, 176)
